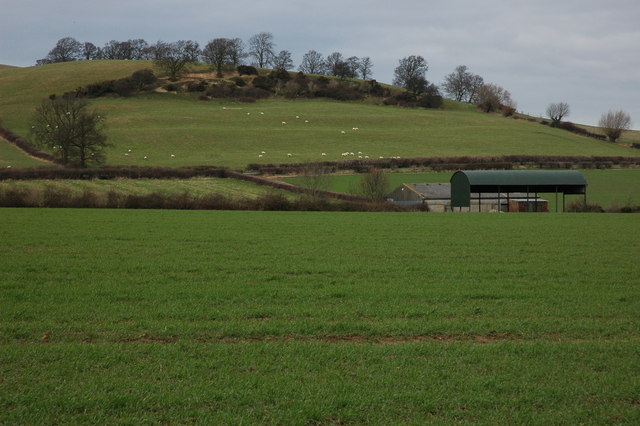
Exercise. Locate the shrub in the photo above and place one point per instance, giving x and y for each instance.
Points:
(240, 82)
(171, 87)
(264, 83)
(143, 78)
(247, 70)
(197, 87)
(579, 206)
(123, 87)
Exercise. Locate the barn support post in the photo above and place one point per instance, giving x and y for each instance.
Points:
(563, 201)
(535, 203)
(508, 208)
(556, 199)
(499, 201)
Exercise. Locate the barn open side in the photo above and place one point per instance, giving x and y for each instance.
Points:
(466, 182)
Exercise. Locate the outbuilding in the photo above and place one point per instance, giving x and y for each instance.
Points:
(530, 182)
(437, 197)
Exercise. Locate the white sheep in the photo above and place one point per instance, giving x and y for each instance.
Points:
(260, 156)
(145, 157)
(173, 156)
(297, 116)
(289, 155)
(366, 157)
(284, 122)
(343, 132)
(306, 121)
(355, 129)
(324, 154)
(126, 154)
(263, 152)
(261, 113)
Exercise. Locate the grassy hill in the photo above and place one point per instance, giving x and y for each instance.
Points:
(225, 132)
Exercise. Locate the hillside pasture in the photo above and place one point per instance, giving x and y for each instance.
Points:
(227, 133)
(112, 316)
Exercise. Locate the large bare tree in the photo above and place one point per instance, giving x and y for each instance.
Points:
(71, 130)
(218, 53)
(613, 123)
(261, 48)
(312, 63)
(410, 74)
(462, 85)
(174, 57)
(556, 112)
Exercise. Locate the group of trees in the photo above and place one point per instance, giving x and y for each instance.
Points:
(612, 123)
(220, 52)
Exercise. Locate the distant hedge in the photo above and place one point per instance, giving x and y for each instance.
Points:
(505, 162)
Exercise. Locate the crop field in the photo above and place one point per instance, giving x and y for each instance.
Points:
(609, 187)
(115, 316)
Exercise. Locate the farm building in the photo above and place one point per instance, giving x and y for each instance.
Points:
(465, 183)
(437, 197)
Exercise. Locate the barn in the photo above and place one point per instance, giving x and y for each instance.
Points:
(437, 197)
(464, 183)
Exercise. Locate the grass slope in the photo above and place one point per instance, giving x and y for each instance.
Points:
(225, 133)
(217, 317)
(196, 187)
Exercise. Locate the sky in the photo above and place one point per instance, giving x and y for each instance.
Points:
(582, 52)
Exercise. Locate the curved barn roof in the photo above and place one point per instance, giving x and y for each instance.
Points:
(523, 177)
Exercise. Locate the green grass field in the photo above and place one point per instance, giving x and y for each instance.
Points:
(223, 132)
(197, 187)
(113, 316)
(608, 187)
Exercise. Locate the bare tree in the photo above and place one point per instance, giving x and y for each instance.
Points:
(556, 112)
(72, 131)
(332, 61)
(236, 51)
(174, 57)
(218, 53)
(374, 185)
(67, 49)
(262, 46)
(491, 98)
(462, 85)
(613, 123)
(316, 177)
(312, 63)
(282, 61)
(410, 74)
(366, 67)
(90, 51)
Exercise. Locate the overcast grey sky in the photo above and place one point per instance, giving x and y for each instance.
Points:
(583, 52)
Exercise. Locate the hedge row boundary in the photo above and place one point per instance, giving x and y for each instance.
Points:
(506, 162)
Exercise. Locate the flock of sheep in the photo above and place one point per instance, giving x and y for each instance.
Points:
(262, 154)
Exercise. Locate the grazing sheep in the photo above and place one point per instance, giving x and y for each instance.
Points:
(284, 122)
(324, 154)
(145, 157)
(366, 157)
(355, 129)
(343, 132)
(173, 156)
(126, 153)
(263, 152)
(297, 116)
(289, 155)
(129, 150)
(306, 121)
(248, 113)
(261, 113)
(260, 156)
